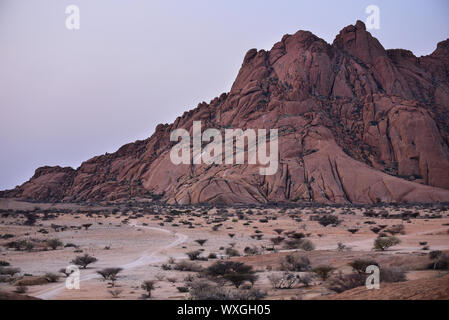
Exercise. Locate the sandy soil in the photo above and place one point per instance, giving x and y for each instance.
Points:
(140, 242)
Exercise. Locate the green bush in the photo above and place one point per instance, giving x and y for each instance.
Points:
(383, 243)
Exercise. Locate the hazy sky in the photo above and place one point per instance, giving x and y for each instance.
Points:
(66, 96)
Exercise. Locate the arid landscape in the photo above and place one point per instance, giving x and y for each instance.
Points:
(291, 252)
(362, 181)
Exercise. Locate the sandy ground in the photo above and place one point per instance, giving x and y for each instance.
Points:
(139, 244)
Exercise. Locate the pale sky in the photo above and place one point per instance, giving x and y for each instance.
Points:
(66, 96)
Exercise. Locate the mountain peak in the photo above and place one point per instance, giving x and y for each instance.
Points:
(357, 41)
(442, 49)
(355, 126)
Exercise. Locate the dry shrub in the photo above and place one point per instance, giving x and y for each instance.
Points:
(360, 265)
(323, 272)
(303, 244)
(194, 255)
(441, 260)
(31, 281)
(51, 277)
(232, 252)
(84, 261)
(392, 274)
(326, 220)
(235, 272)
(21, 289)
(9, 271)
(295, 262)
(115, 293)
(285, 280)
(341, 282)
(206, 290)
(187, 266)
(148, 286)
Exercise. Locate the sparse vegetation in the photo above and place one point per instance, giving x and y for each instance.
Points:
(392, 274)
(110, 274)
(323, 272)
(201, 242)
(87, 225)
(187, 266)
(306, 279)
(21, 289)
(115, 293)
(303, 244)
(84, 261)
(342, 282)
(9, 271)
(21, 245)
(329, 219)
(234, 272)
(51, 277)
(194, 255)
(285, 280)
(206, 290)
(4, 263)
(360, 265)
(277, 240)
(232, 252)
(440, 260)
(224, 277)
(396, 229)
(295, 262)
(278, 231)
(148, 286)
(54, 243)
(383, 243)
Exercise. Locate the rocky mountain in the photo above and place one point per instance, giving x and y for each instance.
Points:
(357, 124)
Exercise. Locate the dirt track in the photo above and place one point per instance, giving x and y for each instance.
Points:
(147, 257)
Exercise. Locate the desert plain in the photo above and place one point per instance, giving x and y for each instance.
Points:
(294, 252)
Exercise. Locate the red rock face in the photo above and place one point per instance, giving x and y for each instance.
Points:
(357, 124)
